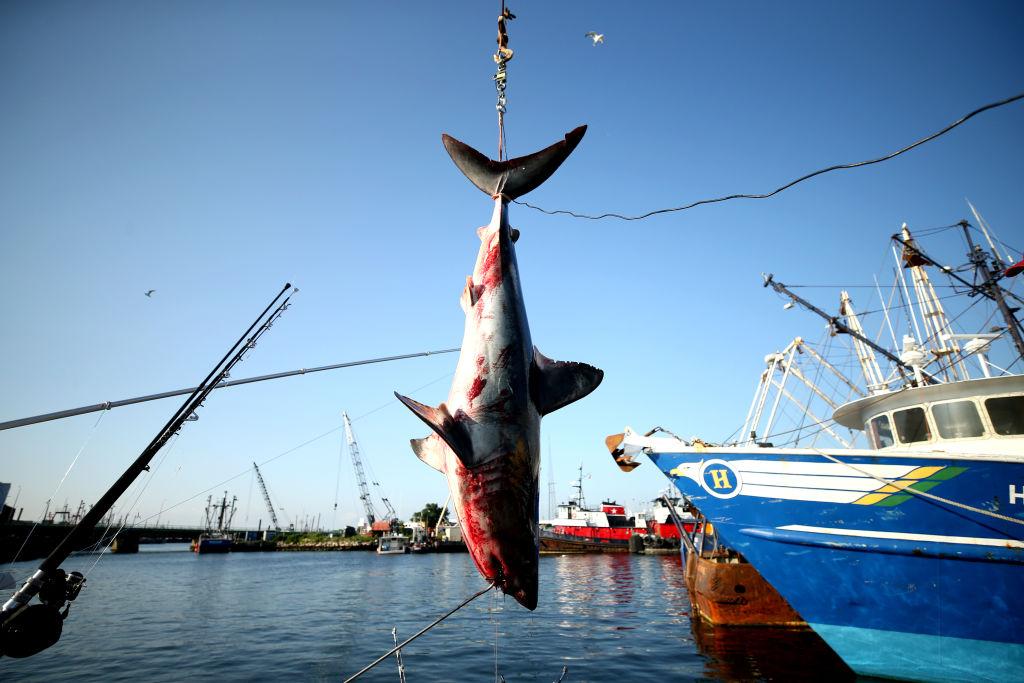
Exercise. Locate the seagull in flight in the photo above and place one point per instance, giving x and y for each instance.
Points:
(596, 37)
(150, 293)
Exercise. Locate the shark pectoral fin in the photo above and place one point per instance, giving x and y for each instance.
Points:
(555, 384)
(515, 234)
(430, 449)
(469, 295)
(444, 425)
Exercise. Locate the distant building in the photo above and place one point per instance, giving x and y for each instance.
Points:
(449, 532)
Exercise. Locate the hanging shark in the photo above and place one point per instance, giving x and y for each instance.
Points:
(486, 436)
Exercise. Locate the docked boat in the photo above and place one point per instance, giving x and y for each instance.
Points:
(217, 537)
(392, 544)
(669, 518)
(906, 553)
(724, 588)
(580, 529)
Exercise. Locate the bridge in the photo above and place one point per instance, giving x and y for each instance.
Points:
(18, 539)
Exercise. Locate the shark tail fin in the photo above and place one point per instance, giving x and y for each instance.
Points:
(515, 177)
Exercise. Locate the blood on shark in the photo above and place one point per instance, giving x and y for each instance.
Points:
(486, 436)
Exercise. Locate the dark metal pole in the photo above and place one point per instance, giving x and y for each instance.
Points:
(977, 289)
(108, 405)
(769, 281)
(993, 291)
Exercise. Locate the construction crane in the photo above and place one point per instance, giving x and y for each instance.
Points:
(266, 498)
(357, 464)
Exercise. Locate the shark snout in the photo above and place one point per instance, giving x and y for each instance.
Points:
(519, 579)
(524, 590)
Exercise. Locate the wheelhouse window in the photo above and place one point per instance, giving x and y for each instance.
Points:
(1006, 414)
(912, 425)
(957, 420)
(879, 432)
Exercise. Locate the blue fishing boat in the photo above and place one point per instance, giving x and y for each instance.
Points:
(906, 554)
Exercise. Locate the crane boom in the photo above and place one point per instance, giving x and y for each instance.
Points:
(266, 498)
(357, 464)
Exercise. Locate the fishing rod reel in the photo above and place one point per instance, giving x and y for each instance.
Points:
(30, 629)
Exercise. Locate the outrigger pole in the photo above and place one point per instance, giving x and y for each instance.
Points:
(27, 629)
(840, 326)
(108, 405)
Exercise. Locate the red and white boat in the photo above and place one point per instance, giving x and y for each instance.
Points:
(577, 528)
(659, 519)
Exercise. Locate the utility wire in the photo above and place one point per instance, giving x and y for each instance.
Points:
(837, 167)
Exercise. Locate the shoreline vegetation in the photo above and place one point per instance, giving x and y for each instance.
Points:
(291, 541)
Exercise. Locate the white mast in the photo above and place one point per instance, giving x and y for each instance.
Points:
(936, 324)
(873, 380)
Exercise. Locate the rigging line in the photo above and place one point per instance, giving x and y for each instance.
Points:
(176, 438)
(906, 488)
(836, 167)
(291, 450)
(246, 471)
(857, 286)
(74, 460)
(418, 634)
(395, 400)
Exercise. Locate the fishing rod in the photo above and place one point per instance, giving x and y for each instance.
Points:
(108, 405)
(26, 629)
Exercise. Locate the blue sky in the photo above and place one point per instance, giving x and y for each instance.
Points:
(214, 151)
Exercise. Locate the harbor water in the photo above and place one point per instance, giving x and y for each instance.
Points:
(168, 615)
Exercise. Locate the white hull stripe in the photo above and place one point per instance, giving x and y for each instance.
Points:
(895, 535)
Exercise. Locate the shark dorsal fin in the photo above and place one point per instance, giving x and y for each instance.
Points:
(430, 449)
(451, 431)
(555, 384)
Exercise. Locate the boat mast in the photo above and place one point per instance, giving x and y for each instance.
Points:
(988, 288)
(936, 324)
(873, 380)
(1000, 262)
(993, 290)
(580, 501)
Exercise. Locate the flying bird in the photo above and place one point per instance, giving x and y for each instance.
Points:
(596, 37)
(150, 292)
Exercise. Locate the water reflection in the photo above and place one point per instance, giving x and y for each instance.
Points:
(321, 616)
(767, 653)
